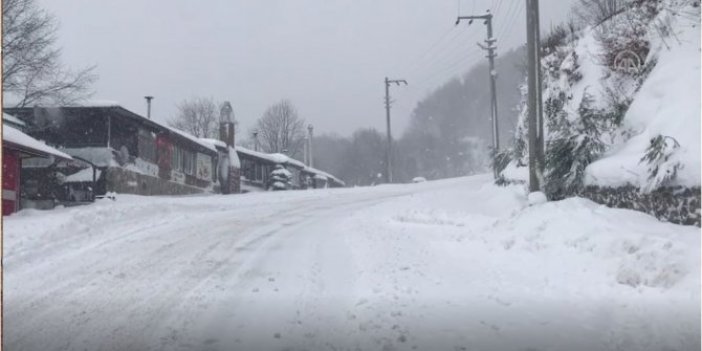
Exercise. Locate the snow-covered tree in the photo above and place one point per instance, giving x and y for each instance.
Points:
(573, 146)
(280, 179)
(662, 165)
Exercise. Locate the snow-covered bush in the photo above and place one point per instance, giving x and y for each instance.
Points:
(500, 160)
(280, 179)
(572, 147)
(662, 167)
(556, 38)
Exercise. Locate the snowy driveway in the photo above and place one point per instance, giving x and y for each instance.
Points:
(450, 265)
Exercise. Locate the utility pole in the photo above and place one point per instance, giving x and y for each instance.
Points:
(310, 135)
(388, 152)
(490, 48)
(536, 126)
(148, 106)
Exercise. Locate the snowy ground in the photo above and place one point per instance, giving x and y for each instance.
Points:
(449, 265)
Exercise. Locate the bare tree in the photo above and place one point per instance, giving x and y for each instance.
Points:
(280, 129)
(198, 117)
(32, 72)
(594, 12)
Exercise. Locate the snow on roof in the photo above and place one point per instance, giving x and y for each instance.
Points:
(107, 103)
(84, 175)
(98, 103)
(289, 160)
(12, 119)
(275, 158)
(191, 137)
(322, 174)
(214, 142)
(270, 157)
(17, 137)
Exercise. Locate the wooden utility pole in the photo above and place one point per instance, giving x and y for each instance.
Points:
(491, 54)
(310, 136)
(388, 152)
(536, 128)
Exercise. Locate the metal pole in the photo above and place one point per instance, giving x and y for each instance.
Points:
(310, 154)
(388, 151)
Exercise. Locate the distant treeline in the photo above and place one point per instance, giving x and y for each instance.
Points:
(449, 133)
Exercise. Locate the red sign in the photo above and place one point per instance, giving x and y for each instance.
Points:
(10, 181)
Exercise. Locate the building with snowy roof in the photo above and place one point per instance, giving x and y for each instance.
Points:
(131, 154)
(114, 150)
(16, 148)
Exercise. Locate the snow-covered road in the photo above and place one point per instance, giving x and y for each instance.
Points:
(450, 265)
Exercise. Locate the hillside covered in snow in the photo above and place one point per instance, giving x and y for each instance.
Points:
(620, 102)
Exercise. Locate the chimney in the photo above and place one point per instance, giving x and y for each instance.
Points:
(148, 106)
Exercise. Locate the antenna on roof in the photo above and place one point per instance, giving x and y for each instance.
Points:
(148, 106)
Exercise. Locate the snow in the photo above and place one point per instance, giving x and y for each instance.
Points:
(12, 119)
(99, 156)
(419, 180)
(84, 175)
(667, 104)
(17, 137)
(514, 173)
(214, 142)
(442, 265)
(192, 138)
(286, 160)
(319, 174)
(536, 198)
(99, 103)
(234, 158)
(282, 172)
(270, 157)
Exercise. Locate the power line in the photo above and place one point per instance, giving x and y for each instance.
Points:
(505, 23)
(511, 21)
(451, 68)
(448, 57)
(446, 52)
(435, 44)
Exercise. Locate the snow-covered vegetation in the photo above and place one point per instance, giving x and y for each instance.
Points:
(612, 125)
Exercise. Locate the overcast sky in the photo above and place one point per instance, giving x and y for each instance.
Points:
(328, 57)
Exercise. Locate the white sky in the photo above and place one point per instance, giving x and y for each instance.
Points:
(328, 57)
